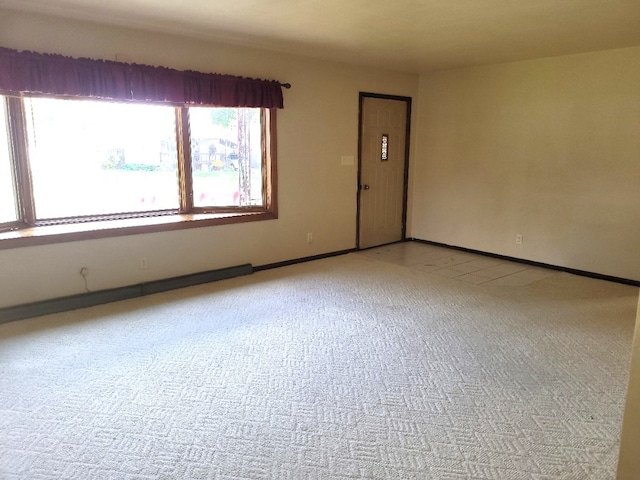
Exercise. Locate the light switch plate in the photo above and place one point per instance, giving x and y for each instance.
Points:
(347, 160)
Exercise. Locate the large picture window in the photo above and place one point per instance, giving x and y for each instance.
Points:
(93, 148)
(83, 161)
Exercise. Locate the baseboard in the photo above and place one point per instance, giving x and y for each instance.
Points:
(89, 299)
(195, 279)
(574, 271)
(302, 260)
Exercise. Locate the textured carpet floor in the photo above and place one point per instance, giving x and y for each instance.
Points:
(343, 368)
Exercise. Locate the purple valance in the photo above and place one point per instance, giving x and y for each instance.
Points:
(57, 75)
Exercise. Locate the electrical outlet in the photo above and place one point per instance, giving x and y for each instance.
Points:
(518, 239)
(143, 263)
(309, 237)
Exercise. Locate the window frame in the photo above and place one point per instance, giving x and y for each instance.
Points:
(29, 231)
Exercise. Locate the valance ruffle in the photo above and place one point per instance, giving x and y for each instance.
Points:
(57, 75)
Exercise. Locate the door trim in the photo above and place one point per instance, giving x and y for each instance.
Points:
(405, 188)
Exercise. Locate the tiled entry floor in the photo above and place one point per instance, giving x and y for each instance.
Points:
(463, 266)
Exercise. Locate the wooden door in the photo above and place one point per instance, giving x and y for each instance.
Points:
(383, 167)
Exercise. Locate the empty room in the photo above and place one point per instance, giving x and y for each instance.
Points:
(319, 239)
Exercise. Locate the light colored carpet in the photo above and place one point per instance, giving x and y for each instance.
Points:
(343, 368)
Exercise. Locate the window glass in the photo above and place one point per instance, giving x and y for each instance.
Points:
(8, 207)
(226, 156)
(94, 158)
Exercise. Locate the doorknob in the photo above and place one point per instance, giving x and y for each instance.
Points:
(363, 187)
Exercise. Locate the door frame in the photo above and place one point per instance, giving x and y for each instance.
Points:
(405, 188)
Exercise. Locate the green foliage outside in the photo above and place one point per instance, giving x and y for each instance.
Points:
(223, 116)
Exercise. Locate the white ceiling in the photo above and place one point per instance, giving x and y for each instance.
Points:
(403, 35)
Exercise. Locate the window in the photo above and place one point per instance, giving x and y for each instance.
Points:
(107, 168)
(92, 148)
(90, 158)
(226, 156)
(8, 205)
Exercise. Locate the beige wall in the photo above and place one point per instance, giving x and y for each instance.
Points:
(316, 194)
(629, 460)
(548, 148)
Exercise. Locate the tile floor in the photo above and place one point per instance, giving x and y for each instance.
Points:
(463, 266)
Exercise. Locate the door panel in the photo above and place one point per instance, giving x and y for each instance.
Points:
(382, 181)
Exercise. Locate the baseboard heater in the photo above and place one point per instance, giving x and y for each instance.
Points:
(89, 299)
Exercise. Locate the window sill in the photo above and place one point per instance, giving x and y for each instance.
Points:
(28, 237)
